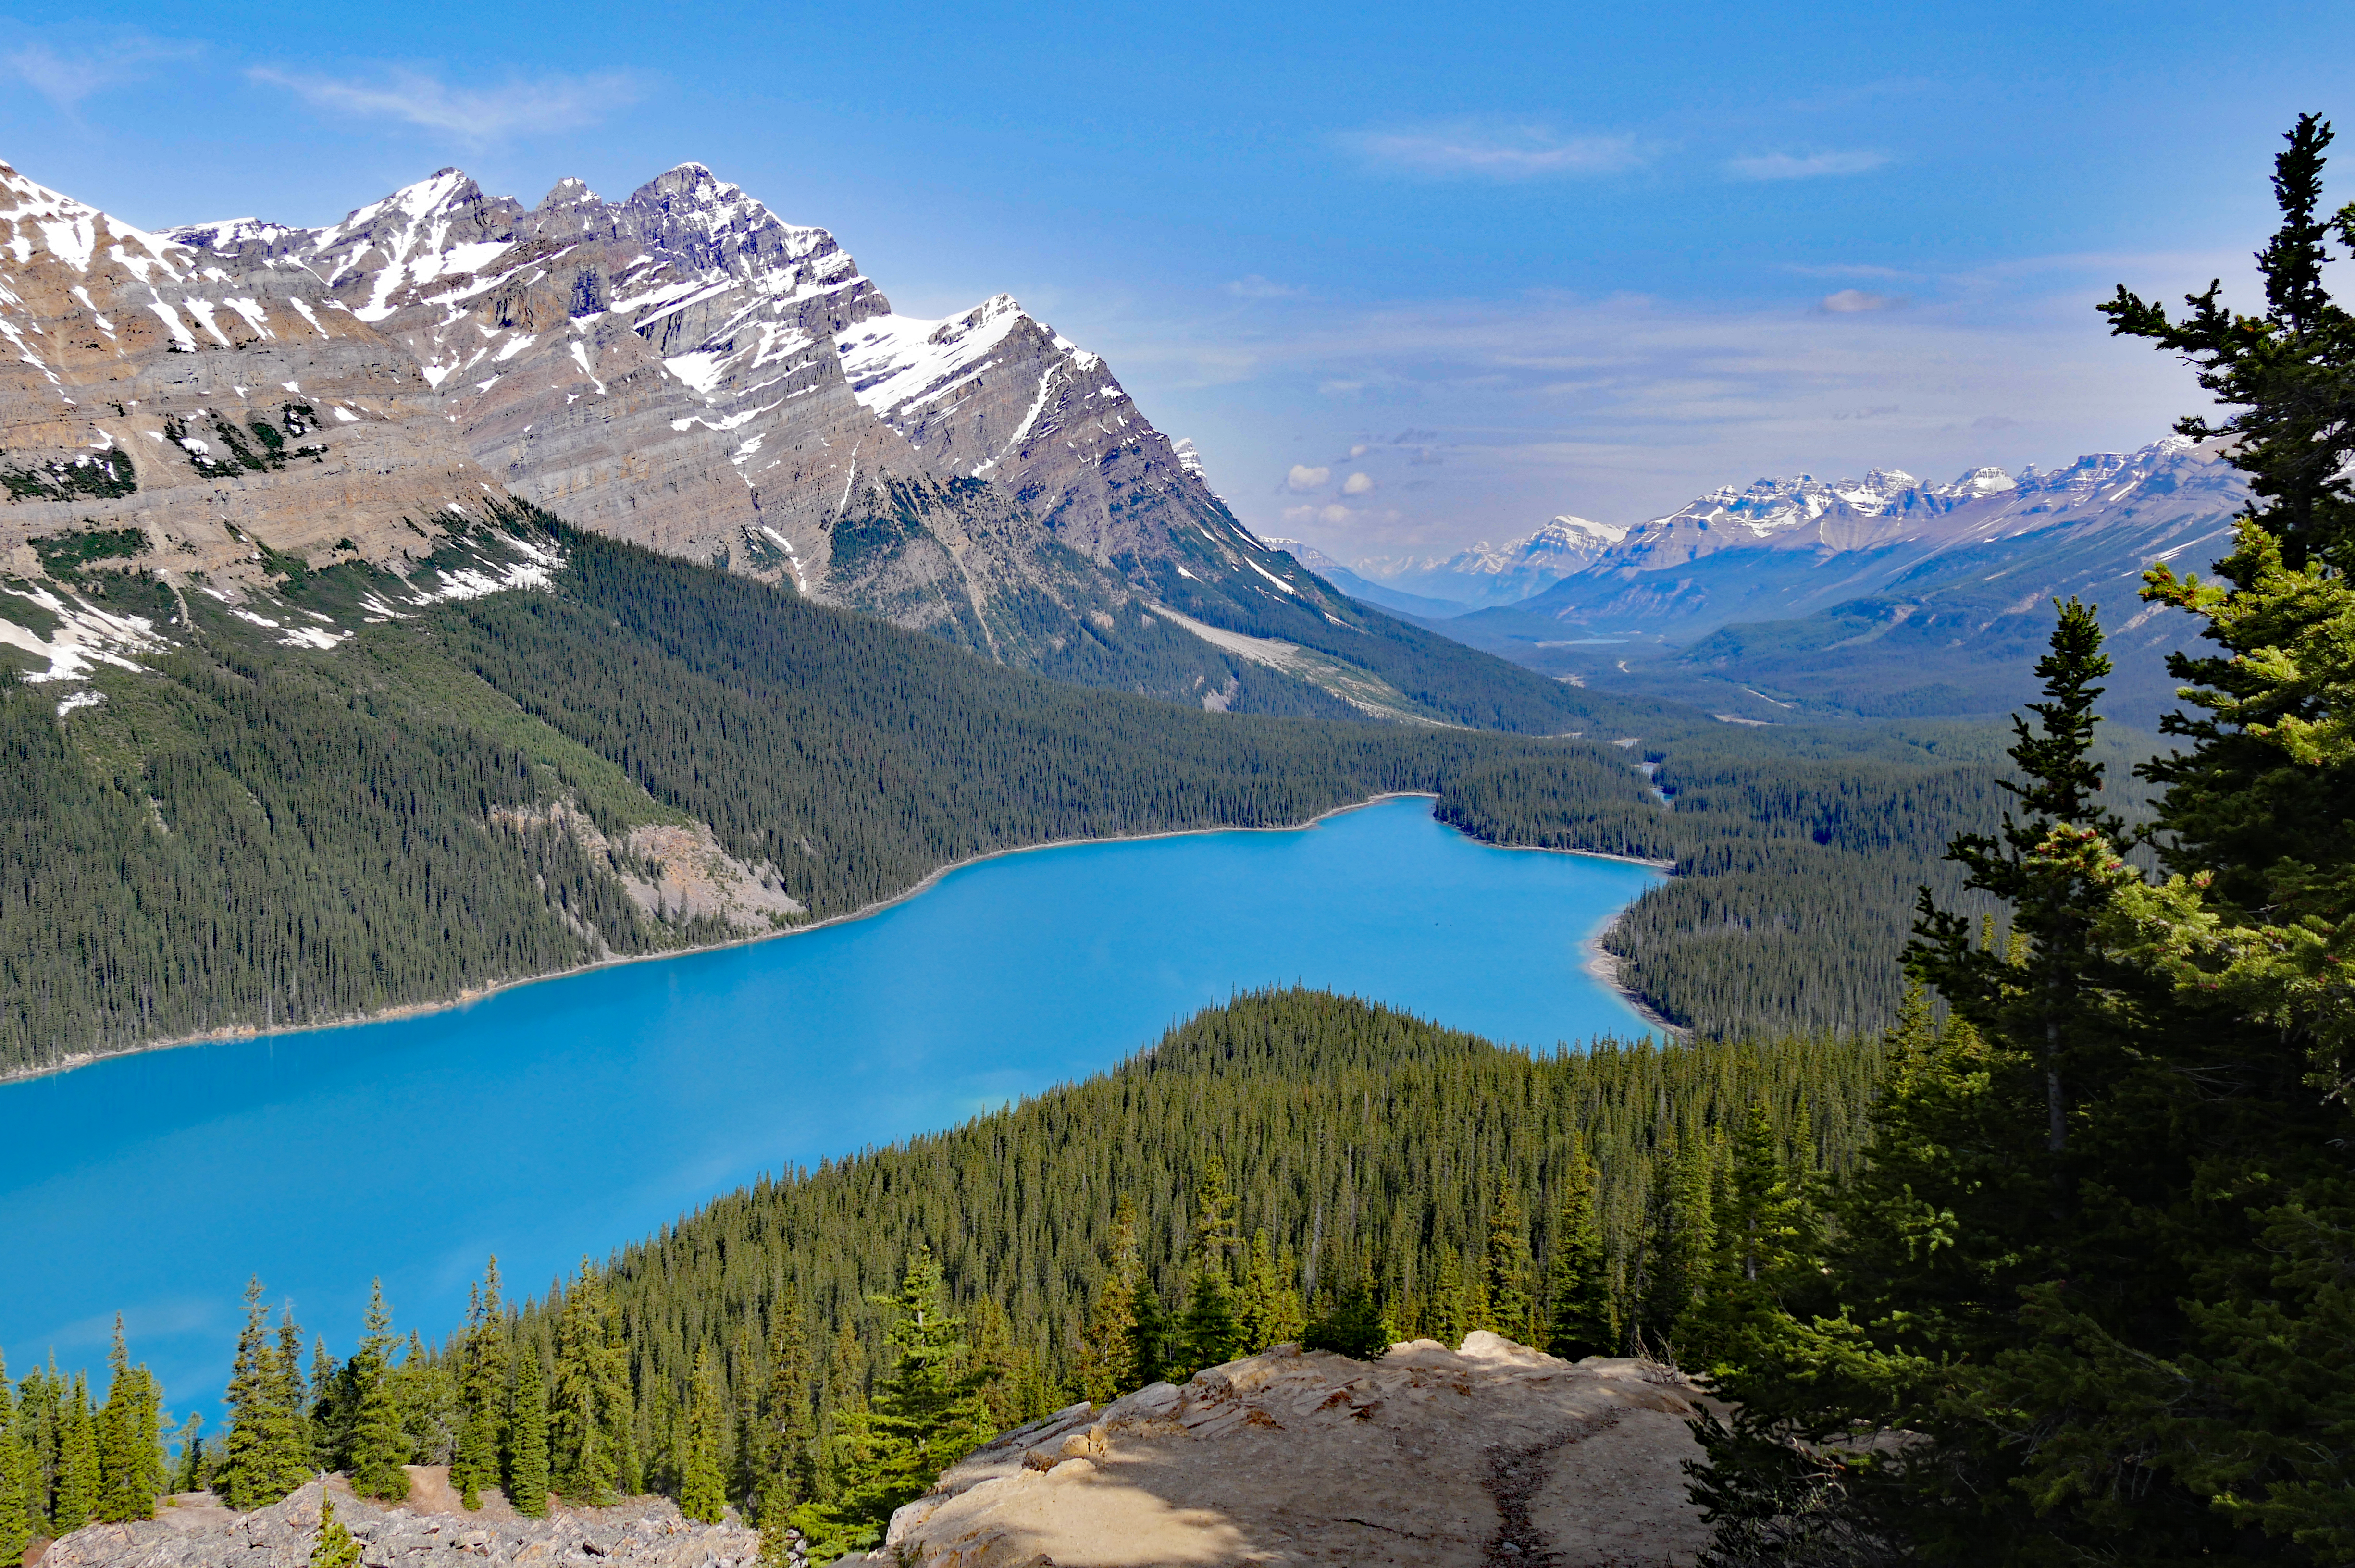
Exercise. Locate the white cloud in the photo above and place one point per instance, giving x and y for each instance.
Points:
(1848, 302)
(518, 107)
(1335, 514)
(1355, 484)
(1359, 450)
(1251, 286)
(65, 77)
(1486, 150)
(1304, 478)
(1803, 166)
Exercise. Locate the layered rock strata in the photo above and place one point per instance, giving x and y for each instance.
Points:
(205, 417)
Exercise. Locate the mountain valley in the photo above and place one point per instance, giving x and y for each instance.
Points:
(1883, 596)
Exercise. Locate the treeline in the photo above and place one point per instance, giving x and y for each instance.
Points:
(65, 1462)
(1799, 856)
(810, 1348)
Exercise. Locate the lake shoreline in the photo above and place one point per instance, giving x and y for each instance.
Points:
(1599, 964)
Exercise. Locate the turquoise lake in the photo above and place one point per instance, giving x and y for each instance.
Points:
(575, 1114)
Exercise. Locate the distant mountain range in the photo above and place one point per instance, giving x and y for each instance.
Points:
(681, 370)
(1883, 595)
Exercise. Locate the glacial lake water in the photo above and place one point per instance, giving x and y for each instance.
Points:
(572, 1116)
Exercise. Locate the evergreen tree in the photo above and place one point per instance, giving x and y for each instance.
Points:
(129, 1439)
(926, 1415)
(482, 1392)
(18, 1512)
(1149, 1336)
(528, 1462)
(592, 1424)
(379, 1446)
(1208, 1332)
(334, 1547)
(702, 1490)
(1449, 1317)
(787, 1464)
(1770, 1247)
(1679, 1238)
(190, 1474)
(1107, 1362)
(333, 1404)
(1505, 1267)
(77, 1462)
(1580, 1321)
(1269, 1312)
(1350, 1324)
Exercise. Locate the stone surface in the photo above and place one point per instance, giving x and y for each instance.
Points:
(647, 1533)
(1495, 1454)
(218, 414)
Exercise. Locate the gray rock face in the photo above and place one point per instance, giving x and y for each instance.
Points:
(215, 412)
(646, 1532)
(684, 370)
(1431, 1457)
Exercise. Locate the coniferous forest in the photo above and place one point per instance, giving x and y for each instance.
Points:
(244, 835)
(2004, 1195)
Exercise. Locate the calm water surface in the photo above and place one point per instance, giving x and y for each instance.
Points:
(576, 1114)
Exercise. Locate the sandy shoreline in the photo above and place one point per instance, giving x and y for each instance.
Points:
(1601, 965)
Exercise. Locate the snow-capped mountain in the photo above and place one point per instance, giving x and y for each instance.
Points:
(188, 411)
(1500, 574)
(1793, 579)
(685, 370)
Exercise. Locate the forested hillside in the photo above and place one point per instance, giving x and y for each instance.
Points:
(244, 834)
(1267, 1169)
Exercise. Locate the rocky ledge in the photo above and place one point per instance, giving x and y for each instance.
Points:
(1492, 1454)
(429, 1531)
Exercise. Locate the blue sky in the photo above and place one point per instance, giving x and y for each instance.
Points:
(1500, 263)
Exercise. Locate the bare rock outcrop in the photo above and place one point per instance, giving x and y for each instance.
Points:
(206, 417)
(1495, 1454)
(645, 1532)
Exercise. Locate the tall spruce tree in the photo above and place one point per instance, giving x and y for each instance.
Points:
(1107, 1356)
(702, 1482)
(130, 1442)
(333, 1404)
(18, 1472)
(1505, 1264)
(379, 1445)
(482, 1392)
(927, 1413)
(1208, 1332)
(527, 1461)
(77, 1462)
(592, 1426)
(787, 1461)
(1580, 1321)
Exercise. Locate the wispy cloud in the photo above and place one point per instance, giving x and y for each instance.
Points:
(517, 106)
(1803, 165)
(66, 76)
(1852, 302)
(1491, 150)
(1251, 286)
(1625, 407)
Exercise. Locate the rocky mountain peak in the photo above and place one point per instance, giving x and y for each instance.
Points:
(565, 193)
